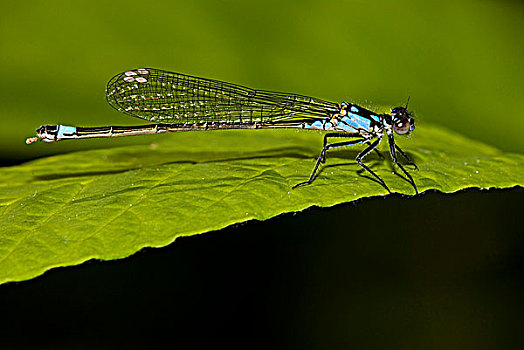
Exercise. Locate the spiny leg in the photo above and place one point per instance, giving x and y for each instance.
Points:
(336, 134)
(365, 153)
(392, 147)
(376, 151)
(410, 162)
(339, 134)
(327, 147)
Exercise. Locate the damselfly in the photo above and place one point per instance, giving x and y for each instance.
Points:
(179, 102)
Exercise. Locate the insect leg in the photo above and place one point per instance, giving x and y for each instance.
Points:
(336, 134)
(392, 147)
(410, 162)
(376, 151)
(327, 147)
(365, 153)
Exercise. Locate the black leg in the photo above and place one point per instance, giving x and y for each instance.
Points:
(376, 151)
(326, 147)
(337, 134)
(363, 154)
(392, 146)
(410, 162)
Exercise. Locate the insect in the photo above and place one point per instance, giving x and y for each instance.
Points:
(178, 102)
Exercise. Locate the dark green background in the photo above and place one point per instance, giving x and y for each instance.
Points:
(433, 272)
(460, 61)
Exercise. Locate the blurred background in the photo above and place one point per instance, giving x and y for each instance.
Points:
(460, 61)
(445, 273)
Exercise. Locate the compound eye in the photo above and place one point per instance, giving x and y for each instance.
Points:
(399, 112)
(401, 126)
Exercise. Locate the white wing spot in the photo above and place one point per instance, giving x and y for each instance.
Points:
(129, 79)
(141, 80)
(142, 71)
(129, 74)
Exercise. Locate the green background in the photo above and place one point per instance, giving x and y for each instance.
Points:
(436, 271)
(460, 61)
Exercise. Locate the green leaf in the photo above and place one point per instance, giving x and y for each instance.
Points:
(108, 204)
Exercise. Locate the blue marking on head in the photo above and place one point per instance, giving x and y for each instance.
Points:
(354, 109)
(65, 129)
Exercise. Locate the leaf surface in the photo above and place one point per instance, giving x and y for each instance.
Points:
(108, 204)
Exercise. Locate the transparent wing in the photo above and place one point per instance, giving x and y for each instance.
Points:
(167, 97)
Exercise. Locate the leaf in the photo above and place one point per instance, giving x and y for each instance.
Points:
(108, 204)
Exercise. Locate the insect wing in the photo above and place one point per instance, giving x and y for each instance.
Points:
(161, 96)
